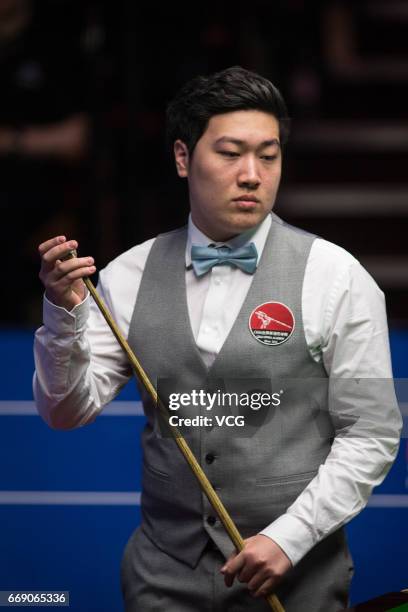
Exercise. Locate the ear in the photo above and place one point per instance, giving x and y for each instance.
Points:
(182, 158)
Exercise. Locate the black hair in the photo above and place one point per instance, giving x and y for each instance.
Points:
(232, 89)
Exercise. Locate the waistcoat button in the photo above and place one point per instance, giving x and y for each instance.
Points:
(211, 520)
(209, 458)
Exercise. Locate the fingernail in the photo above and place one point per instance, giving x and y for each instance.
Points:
(61, 238)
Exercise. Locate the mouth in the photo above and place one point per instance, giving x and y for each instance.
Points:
(246, 202)
(246, 198)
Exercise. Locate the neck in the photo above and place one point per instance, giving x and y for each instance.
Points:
(213, 234)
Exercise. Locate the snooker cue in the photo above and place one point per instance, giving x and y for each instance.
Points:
(196, 468)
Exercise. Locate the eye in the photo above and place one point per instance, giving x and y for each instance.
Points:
(269, 157)
(229, 153)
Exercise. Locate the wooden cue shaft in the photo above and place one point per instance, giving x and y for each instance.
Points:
(205, 484)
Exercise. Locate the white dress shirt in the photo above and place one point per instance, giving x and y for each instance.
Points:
(80, 367)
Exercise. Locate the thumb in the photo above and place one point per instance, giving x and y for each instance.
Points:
(232, 556)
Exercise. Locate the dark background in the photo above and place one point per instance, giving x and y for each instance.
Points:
(342, 67)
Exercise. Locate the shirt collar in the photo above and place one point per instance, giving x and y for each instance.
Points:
(257, 235)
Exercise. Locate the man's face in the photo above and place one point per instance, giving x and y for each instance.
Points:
(234, 172)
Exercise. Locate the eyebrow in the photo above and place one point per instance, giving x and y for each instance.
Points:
(236, 141)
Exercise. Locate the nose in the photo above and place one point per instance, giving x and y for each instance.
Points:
(248, 175)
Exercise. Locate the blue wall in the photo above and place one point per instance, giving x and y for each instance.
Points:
(73, 540)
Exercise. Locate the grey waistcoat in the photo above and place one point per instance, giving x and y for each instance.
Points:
(257, 472)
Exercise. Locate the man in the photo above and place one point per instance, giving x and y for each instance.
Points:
(297, 475)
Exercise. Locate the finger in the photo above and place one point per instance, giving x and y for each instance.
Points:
(257, 580)
(231, 568)
(73, 276)
(58, 252)
(48, 244)
(64, 268)
(228, 581)
(266, 588)
(232, 556)
(248, 572)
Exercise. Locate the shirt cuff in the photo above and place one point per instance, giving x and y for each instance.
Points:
(61, 321)
(291, 535)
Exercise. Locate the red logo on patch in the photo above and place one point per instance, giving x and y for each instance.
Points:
(272, 323)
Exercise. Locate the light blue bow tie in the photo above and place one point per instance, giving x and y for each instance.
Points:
(205, 258)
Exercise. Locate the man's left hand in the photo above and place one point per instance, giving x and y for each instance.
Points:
(261, 564)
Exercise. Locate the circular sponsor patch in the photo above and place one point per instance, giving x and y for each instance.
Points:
(272, 323)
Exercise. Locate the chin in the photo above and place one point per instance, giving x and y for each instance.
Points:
(246, 221)
(228, 227)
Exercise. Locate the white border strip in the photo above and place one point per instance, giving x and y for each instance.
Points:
(70, 498)
(28, 408)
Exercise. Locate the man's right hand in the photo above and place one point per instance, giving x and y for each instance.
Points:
(63, 279)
